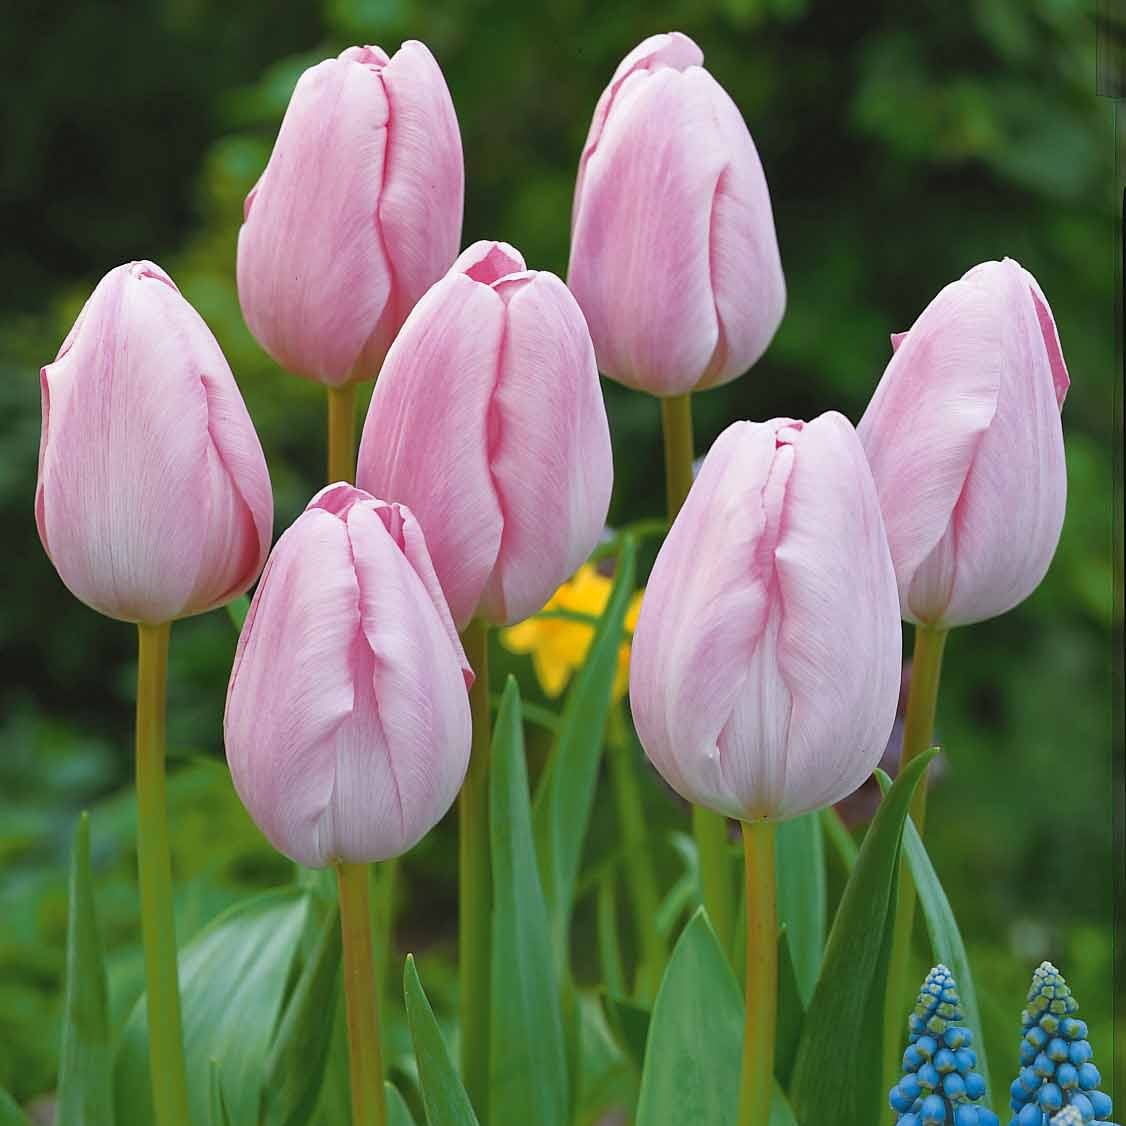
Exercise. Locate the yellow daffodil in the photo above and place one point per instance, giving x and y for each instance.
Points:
(558, 646)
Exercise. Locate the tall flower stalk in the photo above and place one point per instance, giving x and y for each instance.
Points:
(757, 1083)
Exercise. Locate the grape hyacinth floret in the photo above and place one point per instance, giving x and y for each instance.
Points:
(1058, 1083)
(940, 1086)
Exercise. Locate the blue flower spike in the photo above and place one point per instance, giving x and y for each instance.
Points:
(1058, 1085)
(939, 1086)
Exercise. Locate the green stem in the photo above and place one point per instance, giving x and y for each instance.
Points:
(640, 876)
(918, 731)
(757, 1082)
(365, 1057)
(342, 433)
(166, 1040)
(708, 828)
(475, 893)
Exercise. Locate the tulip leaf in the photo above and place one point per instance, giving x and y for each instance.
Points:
(837, 1072)
(237, 609)
(443, 1096)
(629, 1022)
(791, 1011)
(10, 1113)
(398, 1113)
(800, 867)
(233, 978)
(85, 1095)
(566, 791)
(609, 940)
(837, 834)
(693, 1053)
(528, 1073)
(295, 1067)
(220, 1115)
(942, 927)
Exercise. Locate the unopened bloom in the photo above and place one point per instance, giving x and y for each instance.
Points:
(153, 499)
(488, 421)
(964, 438)
(1057, 1070)
(559, 645)
(347, 722)
(765, 665)
(940, 1084)
(674, 257)
(357, 214)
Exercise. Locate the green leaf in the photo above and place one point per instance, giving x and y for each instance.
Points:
(791, 1011)
(837, 834)
(528, 1075)
(566, 790)
(837, 1074)
(629, 1022)
(398, 1114)
(443, 1096)
(942, 927)
(10, 1113)
(609, 942)
(233, 978)
(220, 1115)
(85, 1095)
(695, 1043)
(800, 867)
(295, 1067)
(237, 609)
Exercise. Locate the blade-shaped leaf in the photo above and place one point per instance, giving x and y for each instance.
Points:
(220, 1115)
(86, 1060)
(942, 927)
(800, 867)
(695, 1043)
(295, 1067)
(398, 1114)
(443, 1096)
(609, 942)
(10, 1113)
(528, 1074)
(629, 1022)
(566, 790)
(237, 609)
(791, 1011)
(837, 1071)
(233, 976)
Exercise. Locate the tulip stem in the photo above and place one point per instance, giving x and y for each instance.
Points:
(918, 732)
(709, 829)
(365, 1057)
(640, 877)
(475, 891)
(166, 1038)
(342, 434)
(757, 1085)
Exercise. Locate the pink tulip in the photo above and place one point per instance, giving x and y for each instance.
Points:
(347, 723)
(153, 500)
(965, 442)
(674, 258)
(488, 421)
(357, 214)
(765, 665)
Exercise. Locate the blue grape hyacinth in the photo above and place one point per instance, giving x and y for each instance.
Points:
(940, 1086)
(1057, 1077)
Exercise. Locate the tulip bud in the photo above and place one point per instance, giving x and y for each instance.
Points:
(347, 722)
(765, 665)
(964, 438)
(153, 500)
(357, 214)
(488, 421)
(674, 258)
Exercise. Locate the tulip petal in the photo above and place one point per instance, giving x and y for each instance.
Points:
(1060, 378)
(546, 413)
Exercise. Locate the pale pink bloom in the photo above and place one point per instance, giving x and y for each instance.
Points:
(765, 665)
(487, 419)
(153, 500)
(357, 214)
(964, 438)
(347, 723)
(674, 258)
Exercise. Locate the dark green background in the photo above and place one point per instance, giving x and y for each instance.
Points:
(902, 142)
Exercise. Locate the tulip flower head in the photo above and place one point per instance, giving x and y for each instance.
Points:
(347, 723)
(765, 666)
(153, 500)
(940, 1084)
(964, 438)
(488, 421)
(1056, 1066)
(357, 214)
(674, 258)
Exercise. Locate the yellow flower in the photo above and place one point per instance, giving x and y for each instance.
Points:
(559, 645)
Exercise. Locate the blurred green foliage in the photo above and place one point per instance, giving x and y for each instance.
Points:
(902, 143)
